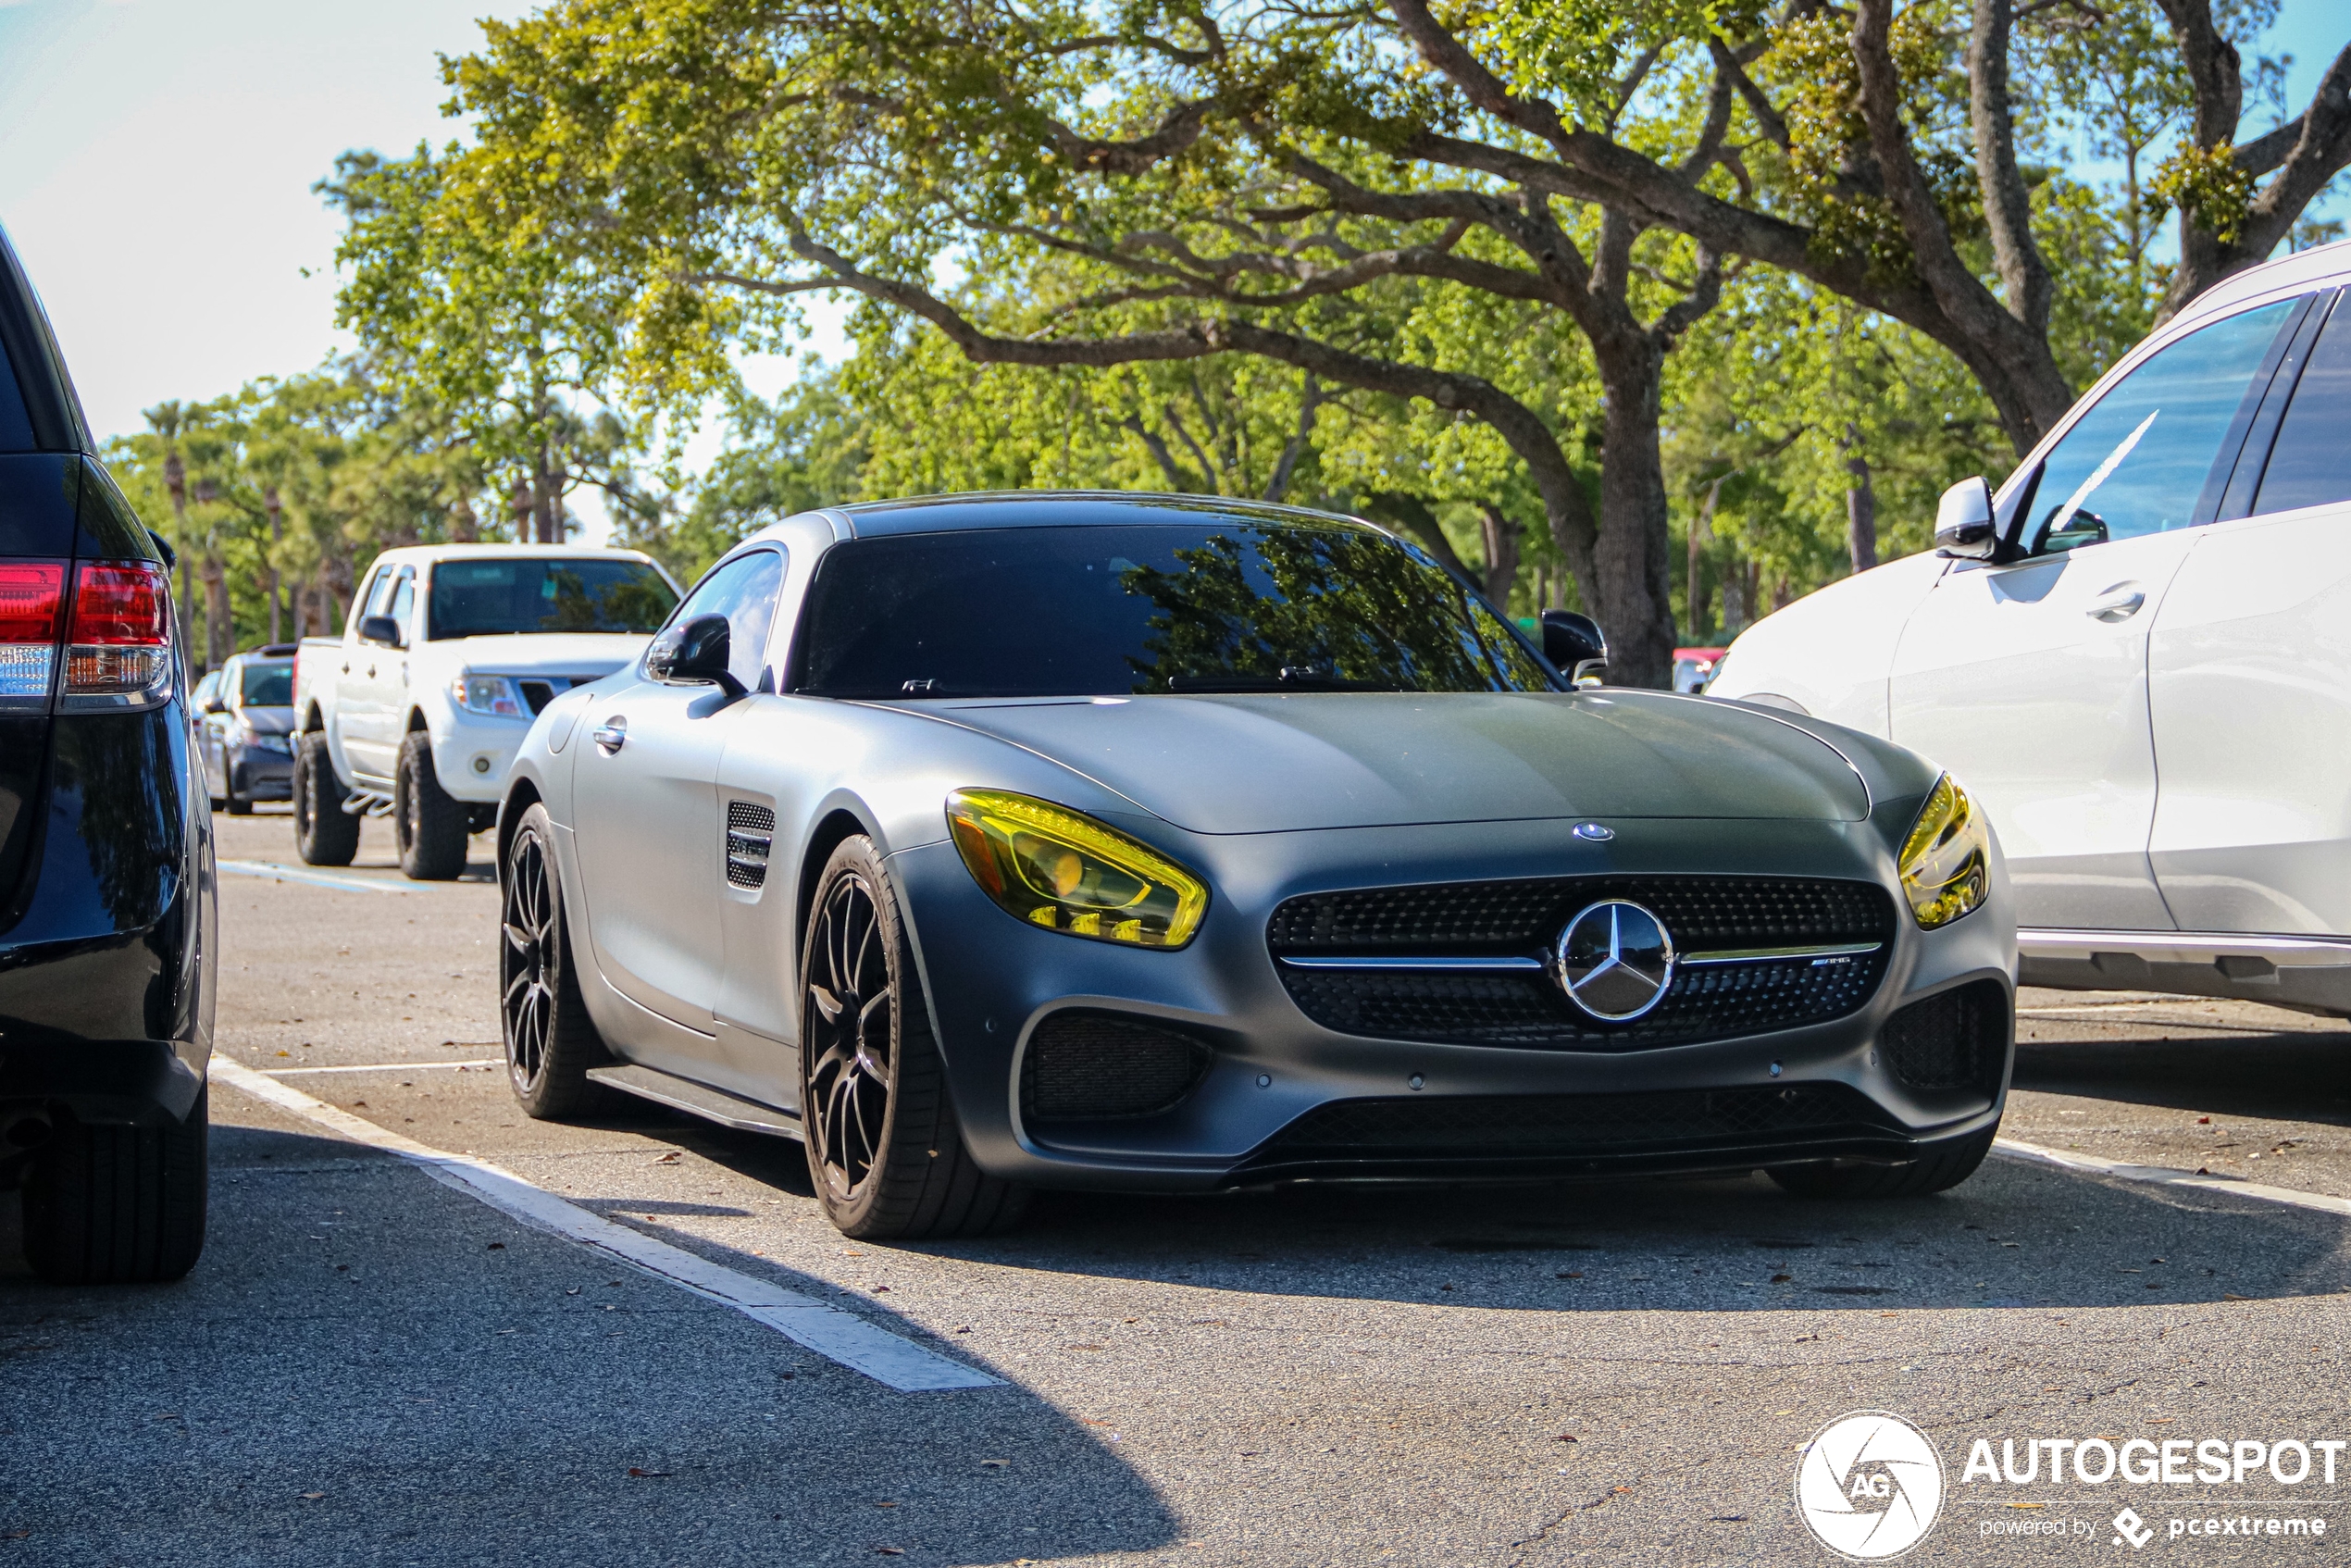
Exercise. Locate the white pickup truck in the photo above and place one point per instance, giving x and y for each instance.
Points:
(451, 649)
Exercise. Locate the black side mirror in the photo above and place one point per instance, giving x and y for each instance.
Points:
(1576, 644)
(1964, 527)
(694, 652)
(213, 704)
(382, 630)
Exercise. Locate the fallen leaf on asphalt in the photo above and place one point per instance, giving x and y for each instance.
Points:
(313, 1496)
(1624, 1488)
(1564, 1437)
(1782, 1278)
(2232, 1296)
(2204, 1120)
(883, 1503)
(647, 1475)
(891, 1551)
(497, 1246)
(1572, 1274)
(994, 1464)
(668, 1159)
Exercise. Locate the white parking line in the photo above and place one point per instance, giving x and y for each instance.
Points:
(317, 878)
(387, 1067)
(2164, 1175)
(837, 1336)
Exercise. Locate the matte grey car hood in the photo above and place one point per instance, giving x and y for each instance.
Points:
(1276, 764)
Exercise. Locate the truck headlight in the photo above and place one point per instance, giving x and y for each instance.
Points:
(1065, 871)
(489, 695)
(1947, 861)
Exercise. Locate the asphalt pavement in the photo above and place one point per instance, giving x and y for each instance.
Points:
(371, 1365)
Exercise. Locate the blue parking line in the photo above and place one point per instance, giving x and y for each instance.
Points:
(320, 878)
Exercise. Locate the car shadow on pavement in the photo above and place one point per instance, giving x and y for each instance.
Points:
(2292, 1076)
(368, 1366)
(2018, 1234)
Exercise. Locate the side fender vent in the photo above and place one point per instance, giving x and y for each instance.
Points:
(751, 830)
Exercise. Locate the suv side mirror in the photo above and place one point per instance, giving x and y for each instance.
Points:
(382, 630)
(1576, 644)
(694, 652)
(213, 704)
(1964, 528)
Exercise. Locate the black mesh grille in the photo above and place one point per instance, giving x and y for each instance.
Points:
(1704, 914)
(538, 694)
(1567, 1126)
(1717, 1002)
(1958, 1040)
(750, 830)
(1089, 1066)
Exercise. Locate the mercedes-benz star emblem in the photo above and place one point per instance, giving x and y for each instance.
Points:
(1616, 961)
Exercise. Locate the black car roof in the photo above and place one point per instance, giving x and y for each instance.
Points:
(1036, 508)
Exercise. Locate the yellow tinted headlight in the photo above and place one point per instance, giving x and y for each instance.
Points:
(1947, 861)
(1065, 871)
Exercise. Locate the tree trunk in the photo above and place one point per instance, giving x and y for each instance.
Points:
(219, 634)
(276, 532)
(462, 528)
(1632, 559)
(175, 480)
(1701, 532)
(1860, 504)
(1501, 555)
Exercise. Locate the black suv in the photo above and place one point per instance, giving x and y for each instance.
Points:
(108, 913)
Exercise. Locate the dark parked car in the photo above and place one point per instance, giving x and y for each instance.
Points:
(246, 708)
(107, 906)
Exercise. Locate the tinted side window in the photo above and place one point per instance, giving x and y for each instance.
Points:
(16, 429)
(2311, 463)
(2139, 462)
(744, 591)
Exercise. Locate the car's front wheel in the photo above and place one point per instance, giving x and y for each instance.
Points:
(551, 1042)
(427, 820)
(1938, 1172)
(114, 1205)
(325, 834)
(886, 1153)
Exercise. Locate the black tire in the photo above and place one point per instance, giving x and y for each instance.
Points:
(428, 822)
(109, 1205)
(325, 834)
(239, 805)
(550, 1041)
(1939, 1172)
(886, 1153)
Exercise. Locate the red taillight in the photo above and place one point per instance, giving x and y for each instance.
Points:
(120, 603)
(31, 595)
(119, 648)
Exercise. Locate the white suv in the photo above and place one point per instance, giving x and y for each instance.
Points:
(2136, 655)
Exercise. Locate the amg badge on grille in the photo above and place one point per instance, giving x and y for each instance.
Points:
(1616, 961)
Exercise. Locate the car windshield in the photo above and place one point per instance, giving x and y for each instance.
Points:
(1219, 605)
(511, 594)
(267, 686)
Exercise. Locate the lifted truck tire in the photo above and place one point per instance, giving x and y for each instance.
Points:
(325, 834)
(114, 1205)
(427, 820)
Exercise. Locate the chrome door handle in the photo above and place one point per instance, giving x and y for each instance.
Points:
(611, 735)
(2116, 604)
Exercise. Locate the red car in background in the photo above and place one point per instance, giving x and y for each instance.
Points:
(1693, 667)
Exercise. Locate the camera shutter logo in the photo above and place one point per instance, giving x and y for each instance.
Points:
(1869, 1486)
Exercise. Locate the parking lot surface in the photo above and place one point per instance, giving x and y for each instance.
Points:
(373, 1367)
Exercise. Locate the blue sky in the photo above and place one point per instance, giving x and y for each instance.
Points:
(156, 158)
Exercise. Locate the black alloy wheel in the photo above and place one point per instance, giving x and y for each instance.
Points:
(851, 1040)
(886, 1149)
(550, 1041)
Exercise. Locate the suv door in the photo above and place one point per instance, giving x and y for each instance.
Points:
(645, 812)
(2250, 670)
(2028, 678)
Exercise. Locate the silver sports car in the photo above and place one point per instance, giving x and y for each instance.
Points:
(1000, 842)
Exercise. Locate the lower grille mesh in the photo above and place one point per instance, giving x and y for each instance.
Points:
(1566, 1126)
(1095, 1067)
(1957, 1039)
